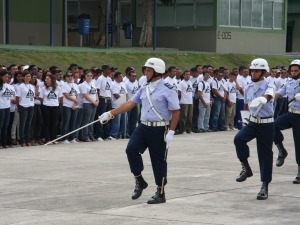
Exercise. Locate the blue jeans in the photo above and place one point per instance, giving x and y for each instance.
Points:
(204, 114)
(69, 118)
(103, 130)
(4, 120)
(238, 117)
(26, 115)
(286, 121)
(264, 134)
(89, 111)
(218, 114)
(132, 119)
(195, 114)
(78, 123)
(118, 126)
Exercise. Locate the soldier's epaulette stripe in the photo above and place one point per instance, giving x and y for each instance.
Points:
(168, 85)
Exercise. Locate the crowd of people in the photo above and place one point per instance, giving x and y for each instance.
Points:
(38, 105)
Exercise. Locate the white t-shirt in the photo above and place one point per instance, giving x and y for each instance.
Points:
(90, 89)
(194, 83)
(132, 88)
(142, 80)
(117, 88)
(204, 88)
(243, 82)
(73, 90)
(104, 85)
(13, 97)
(80, 99)
(219, 85)
(186, 88)
(232, 91)
(26, 93)
(171, 82)
(50, 97)
(125, 79)
(6, 94)
(60, 83)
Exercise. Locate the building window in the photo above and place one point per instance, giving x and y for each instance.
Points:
(182, 13)
(267, 14)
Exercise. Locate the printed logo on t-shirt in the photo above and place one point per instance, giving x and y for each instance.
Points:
(52, 95)
(171, 86)
(189, 89)
(73, 92)
(107, 87)
(30, 95)
(92, 91)
(195, 84)
(207, 89)
(135, 89)
(122, 91)
(232, 90)
(7, 93)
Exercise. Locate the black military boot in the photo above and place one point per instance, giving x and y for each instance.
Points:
(297, 179)
(263, 194)
(158, 198)
(282, 154)
(245, 173)
(140, 185)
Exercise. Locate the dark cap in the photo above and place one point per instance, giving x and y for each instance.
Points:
(128, 69)
(104, 67)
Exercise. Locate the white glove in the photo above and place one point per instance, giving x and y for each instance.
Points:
(169, 137)
(105, 117)
(257, 101)
(297, 96)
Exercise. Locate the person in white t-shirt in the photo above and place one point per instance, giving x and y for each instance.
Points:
(231, 102)
(205, 100)
(281, 103)
(103, 84)
(90, 104)
(70, 93)
(171, 81)
(185, 94)
(132, 87)
(220, 95)
(25, 102)
(51, 96)
(6, 95)
(118, 89)
(193, 79)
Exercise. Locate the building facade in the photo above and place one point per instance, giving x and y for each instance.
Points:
(222, 26)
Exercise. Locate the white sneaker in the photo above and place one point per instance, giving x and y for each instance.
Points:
(74, 141)
(100, 139)
(66, 142)
(228, 129)
(234, 128)
(111, 138)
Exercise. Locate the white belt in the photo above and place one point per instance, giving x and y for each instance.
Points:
(259, 120)
(155, 124)
(294, 111)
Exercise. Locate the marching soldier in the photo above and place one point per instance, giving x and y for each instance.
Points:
(159, 117)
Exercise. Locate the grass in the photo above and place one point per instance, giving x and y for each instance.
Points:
(45, 57)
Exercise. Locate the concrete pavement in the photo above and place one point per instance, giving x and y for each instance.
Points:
(90, 183)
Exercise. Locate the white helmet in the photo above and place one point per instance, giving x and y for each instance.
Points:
(259, 64)
(295, 62)
(157, 64)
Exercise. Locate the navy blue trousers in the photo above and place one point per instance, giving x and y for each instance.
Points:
(264, 134)
(286, 121)
(152, 138)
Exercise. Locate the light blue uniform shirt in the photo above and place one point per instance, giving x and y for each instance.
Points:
(291, 88)
(250, 94)
(165, 100)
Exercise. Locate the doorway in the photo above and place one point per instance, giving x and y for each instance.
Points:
(124, 13)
